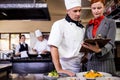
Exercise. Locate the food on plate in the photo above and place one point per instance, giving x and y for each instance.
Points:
(92, 74)
(53, 74)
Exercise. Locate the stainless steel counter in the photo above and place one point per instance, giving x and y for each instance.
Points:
(5, 69)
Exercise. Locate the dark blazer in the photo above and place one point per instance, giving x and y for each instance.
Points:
(103, 61)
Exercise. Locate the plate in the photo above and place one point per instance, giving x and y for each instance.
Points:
(104, 74)
(50, 78)
(72, 78)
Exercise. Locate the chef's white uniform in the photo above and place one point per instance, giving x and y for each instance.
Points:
(41, 46)
(68, 38)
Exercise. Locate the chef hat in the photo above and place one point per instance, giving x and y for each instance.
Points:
(38, 33)
(72, 3)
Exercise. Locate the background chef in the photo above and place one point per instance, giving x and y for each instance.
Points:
(41, 46)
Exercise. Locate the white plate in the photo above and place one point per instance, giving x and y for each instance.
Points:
(104, 74)
(72, 78)
(50, 78)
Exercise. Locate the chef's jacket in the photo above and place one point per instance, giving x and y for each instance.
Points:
(41, 46)
(68, 37)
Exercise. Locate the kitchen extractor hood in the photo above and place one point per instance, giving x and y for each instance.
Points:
(24, 10)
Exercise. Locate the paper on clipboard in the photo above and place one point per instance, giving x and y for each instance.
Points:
(101, 42)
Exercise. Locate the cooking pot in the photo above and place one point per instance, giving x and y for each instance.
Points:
(46, 55)
(32, 54)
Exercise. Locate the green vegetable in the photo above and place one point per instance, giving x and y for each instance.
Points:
(53, 74)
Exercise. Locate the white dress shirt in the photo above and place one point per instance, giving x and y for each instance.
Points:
(23, 53)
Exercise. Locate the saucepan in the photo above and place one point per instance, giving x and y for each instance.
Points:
(32, 54)
(45, 55)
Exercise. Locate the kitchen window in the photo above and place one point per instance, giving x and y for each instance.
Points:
(8, 41)
(4, 42)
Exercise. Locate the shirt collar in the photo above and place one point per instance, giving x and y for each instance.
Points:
(22, 42)
(99, 19)
(76, 22)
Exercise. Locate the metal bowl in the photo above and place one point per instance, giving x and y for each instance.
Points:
(46, 55)
(32, 55)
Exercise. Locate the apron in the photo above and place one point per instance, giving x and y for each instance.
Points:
(71, 64)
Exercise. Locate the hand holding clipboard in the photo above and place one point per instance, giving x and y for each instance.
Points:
(100, 42)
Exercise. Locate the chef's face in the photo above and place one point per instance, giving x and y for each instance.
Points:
(40, 38)
(97, 9)
(74, 13)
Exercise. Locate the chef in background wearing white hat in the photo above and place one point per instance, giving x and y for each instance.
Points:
(41, 46)
(65, 40)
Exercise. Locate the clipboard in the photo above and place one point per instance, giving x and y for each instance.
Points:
(101, 42)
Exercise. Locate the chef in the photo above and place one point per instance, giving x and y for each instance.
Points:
(41, 46)
(65, 40)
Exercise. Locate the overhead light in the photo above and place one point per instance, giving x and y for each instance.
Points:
(4, 13)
